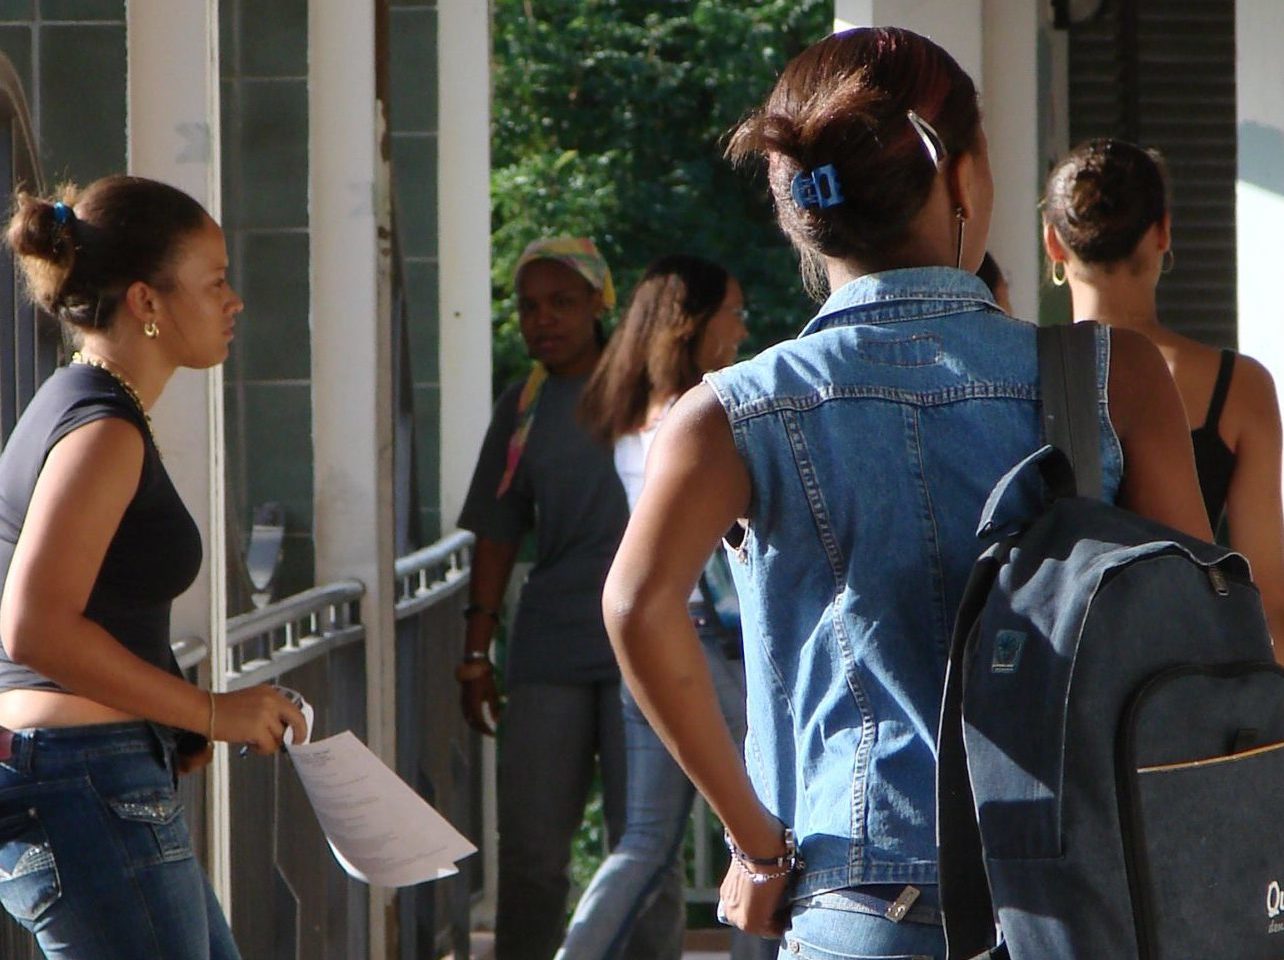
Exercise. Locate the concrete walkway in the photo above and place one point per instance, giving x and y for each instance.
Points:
(700, 945)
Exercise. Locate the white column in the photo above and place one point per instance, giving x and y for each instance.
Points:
(173, 136)
(349, 211)
(1012, 102)
(997, 42)
(954, 24)
(1259, 194)
(464, 357)
(463, 186)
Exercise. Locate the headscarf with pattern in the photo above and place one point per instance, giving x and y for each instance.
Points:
(582, 256)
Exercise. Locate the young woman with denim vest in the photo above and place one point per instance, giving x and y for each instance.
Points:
(685, 317)
(1107, 231)
(96, 721)
(857, 458)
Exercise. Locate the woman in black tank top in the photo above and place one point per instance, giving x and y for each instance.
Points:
(1107, 231)
(95, 719)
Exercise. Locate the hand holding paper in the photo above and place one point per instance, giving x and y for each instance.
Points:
(379, 829)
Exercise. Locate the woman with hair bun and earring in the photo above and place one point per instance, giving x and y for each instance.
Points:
(95, 544)
(857, 459)
(1107, 230)
(686, 317)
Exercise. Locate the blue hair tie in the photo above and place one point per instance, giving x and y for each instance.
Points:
(62, 213)
(818, 189)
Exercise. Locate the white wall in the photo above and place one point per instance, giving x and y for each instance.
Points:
(349, 210)
(463, 189)
(1259, 76)
(173, 124)
(997, 43)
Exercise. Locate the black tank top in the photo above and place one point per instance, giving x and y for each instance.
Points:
(156, 552)
(1214, 461)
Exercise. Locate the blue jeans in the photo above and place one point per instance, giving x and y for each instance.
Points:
(95, 857)
(552, 738)
(829, 926)
(644, 872)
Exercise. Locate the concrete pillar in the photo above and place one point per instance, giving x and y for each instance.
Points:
(1259, 191)
(463, 186)
(464, 360)
(349, 213)
(998, 42)
(173, 113)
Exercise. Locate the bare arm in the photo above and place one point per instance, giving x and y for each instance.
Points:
(492, 566)
(696, 486)
(1159, 478)
(1253, 505)
(86, 483)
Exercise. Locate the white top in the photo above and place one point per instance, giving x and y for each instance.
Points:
(630, 463)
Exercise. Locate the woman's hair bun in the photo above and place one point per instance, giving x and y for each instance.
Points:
(1103, 196)
(42, 235)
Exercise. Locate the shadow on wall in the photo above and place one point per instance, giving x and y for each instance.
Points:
(1260, 149)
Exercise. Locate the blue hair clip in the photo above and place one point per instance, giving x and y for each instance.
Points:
(818, 189)
(62, 213)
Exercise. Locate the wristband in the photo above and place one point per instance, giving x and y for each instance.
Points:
(473, 668)
(475, 608)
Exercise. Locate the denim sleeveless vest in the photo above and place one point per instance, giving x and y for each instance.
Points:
(872, 442)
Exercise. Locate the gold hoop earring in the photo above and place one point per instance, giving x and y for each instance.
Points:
(958, 246)
(1170, 261)
(150, 330)
(1059, 279)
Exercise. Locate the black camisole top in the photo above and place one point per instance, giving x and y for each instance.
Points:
(1214, 461)
(156, 552)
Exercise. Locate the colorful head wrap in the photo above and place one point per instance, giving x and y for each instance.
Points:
(582, 256)
(578, 253)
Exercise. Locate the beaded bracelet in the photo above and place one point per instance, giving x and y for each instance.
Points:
(789, 861)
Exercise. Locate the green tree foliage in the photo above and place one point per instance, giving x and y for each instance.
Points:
(610, 118)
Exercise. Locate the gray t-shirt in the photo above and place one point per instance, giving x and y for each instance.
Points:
(566, 489)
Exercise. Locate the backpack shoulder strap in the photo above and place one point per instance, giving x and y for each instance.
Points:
(966, 903)
(1069, 399)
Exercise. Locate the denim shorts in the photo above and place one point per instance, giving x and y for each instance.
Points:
(95, 856)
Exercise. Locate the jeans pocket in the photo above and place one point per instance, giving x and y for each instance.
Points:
(28, 874)
(152, 826)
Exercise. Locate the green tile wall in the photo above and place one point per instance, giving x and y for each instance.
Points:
(413, 126)
(268, 401)
(71, 58)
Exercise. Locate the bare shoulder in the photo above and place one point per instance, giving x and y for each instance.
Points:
(99, 452)
(698, 413)
(1252, 408)
(1253, 384)
(1137, 374)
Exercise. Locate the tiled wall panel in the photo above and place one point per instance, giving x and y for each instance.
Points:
(268, 411)
(413, 123)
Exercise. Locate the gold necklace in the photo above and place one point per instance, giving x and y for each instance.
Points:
(125, 385)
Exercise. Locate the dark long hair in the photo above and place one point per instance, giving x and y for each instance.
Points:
(653, 350)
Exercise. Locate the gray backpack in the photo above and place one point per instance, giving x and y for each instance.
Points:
(1111, 749)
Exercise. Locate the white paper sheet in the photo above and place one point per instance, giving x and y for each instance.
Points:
(380, 830)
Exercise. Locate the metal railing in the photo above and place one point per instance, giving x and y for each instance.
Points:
(289, 897)
(437, 753)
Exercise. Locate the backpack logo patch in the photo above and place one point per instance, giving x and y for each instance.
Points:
(1008, 645)
(1274, 907)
